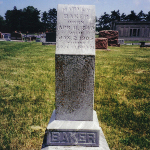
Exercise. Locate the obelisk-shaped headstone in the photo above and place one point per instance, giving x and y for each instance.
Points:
(74, 122)
(75, 62)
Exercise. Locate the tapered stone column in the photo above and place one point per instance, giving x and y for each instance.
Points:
(74, 122)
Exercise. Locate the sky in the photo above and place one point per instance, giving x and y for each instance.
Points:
(101, 6)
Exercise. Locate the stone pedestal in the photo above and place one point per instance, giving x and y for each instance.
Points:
(78, 135)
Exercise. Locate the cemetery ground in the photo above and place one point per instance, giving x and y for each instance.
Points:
(27, 95)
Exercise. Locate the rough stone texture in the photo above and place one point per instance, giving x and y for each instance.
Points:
(16, 36)
(75, 30)
(83, 133)
(74, 123)
(101, 43)
(111, 35)
(51, 37)
(74, 87)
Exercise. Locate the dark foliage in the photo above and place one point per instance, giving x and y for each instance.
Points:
(29, 20)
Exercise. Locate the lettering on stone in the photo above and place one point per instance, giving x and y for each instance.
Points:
(76, 31)
(72, 138)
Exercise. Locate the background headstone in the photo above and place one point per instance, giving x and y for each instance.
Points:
(121, 41)
(111, 35)
(51, 37)
(38, 39)
(33, 38)
(101, 43)
(16, 36)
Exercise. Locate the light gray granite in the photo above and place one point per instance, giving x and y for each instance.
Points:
(74, 124)
(75, 29)
(77, 126)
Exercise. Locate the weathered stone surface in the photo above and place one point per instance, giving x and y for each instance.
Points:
(77, 133)
(101, 43)
(75, 62)
(111, 35)
(75, 30)
(74, 87)
(121, 41)
(74, 123)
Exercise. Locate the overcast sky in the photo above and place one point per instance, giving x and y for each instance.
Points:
(124, 6)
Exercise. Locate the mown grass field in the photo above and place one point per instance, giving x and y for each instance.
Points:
(27, 95)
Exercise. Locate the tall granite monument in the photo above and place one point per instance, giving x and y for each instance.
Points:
(73, 122)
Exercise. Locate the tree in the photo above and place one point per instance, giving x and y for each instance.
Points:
(123, 17)
(104, 22)
(13, 19)
(52, 19)
(141, 16)
(115, 15)
(2, 24)
(148, 16)
(44, 20)
(132, 16)
(31, 19)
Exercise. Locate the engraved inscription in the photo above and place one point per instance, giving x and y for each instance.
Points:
(55, 137)
(72, 138)
(75, 29)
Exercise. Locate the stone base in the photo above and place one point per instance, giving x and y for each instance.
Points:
(68, 135)
(48, 43)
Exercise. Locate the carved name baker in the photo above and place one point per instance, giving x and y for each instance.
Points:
(74, 122)
(71, 138)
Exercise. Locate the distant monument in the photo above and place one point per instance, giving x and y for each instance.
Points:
(101, 43)
(16, 36)
(74, 122)
(51, 37)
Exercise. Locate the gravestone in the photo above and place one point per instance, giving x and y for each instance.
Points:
(7, 36)
(101, 43)
(73, 122)
(33, 38)
(51, 37)
(38, 39)
(27, 38)
(121, 41)
(16, 36)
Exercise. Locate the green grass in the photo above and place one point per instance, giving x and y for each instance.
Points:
(27, 95)
(122, 96)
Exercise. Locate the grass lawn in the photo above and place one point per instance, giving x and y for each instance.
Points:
(27, 95)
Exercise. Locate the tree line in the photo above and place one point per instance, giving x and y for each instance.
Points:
(30, 20)
(105, 20)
